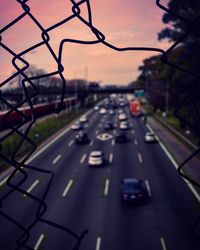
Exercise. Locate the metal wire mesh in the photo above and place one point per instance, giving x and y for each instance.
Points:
(20, 165)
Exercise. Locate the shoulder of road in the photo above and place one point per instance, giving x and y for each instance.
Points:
(178, 146)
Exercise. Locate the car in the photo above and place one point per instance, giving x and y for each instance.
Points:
(121, 136)
(109, 125)
(96, 159)
(111, 112)
(81, 138)
(150, 137)
(123, 125)
(102, 111)
(83, 119)
(121, 104)
(96, 108)
(122, 117)
(120, 111)
(134, 190)
(77, 126)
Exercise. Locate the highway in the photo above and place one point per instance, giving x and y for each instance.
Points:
(87, 198)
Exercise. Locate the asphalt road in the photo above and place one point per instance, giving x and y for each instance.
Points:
(83, 198)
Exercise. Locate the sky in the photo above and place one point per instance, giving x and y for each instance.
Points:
(124, 23)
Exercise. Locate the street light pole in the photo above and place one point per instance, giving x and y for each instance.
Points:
(167, 101)
(86, 81)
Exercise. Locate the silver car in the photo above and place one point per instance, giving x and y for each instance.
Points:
(96, 158)
(150, 137)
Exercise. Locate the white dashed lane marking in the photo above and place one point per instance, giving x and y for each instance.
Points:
(35, 183)
(67, 188)
(163, 244)
(106, 187)
(70, 143)
(148, 187)
(56, 159)
(91, 142)
(39, 241)
(111, 158)
(140, 158)
(98, 244)
(83, 158)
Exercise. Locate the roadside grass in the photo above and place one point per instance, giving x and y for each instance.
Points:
(41, 131)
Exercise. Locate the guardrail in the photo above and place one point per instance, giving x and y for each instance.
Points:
(178, 134)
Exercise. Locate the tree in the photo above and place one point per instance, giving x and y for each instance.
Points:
(188, 10)
(186, 55)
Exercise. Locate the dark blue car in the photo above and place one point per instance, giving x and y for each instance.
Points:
(133, 190)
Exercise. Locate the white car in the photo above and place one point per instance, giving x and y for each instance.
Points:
(122, 117)
(121, 104)
(96, 108)
(123, 125)
(77, 126)
(111, 112)
(120, 111)
(102, 111)
(150, 137)
(96, 158)
(83, 119)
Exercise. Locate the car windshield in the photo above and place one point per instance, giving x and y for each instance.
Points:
(150, 134)
(96, 154)
(131, 188)
(109, 123)
(121, 134)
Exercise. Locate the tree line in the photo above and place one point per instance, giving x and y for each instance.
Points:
(168, 87)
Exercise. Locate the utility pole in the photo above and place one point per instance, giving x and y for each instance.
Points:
(167, 101)
(86, 83)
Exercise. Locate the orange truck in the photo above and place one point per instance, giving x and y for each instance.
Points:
(135, 108)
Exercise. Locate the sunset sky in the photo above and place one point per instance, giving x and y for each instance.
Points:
(124, 23)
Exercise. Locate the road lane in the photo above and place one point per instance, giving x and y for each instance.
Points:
(110, 223)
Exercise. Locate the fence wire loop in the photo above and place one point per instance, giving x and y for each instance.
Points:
(20, 165)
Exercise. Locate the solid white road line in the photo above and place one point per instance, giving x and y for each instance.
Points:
(3, 181)
(35, 183)
(148, 187)
(83, 158)
(97, 132)
(39, 241)
(56, 159)
(70, 143)
(136, 142)
(113, 142)
(91, 143)
(100, 125)
(175, 165)
(106, 187)
(67, 188)
(133, 131)
(114, 132)
(110, 157)
(163, 244)
(140, 158)
(98, 244)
